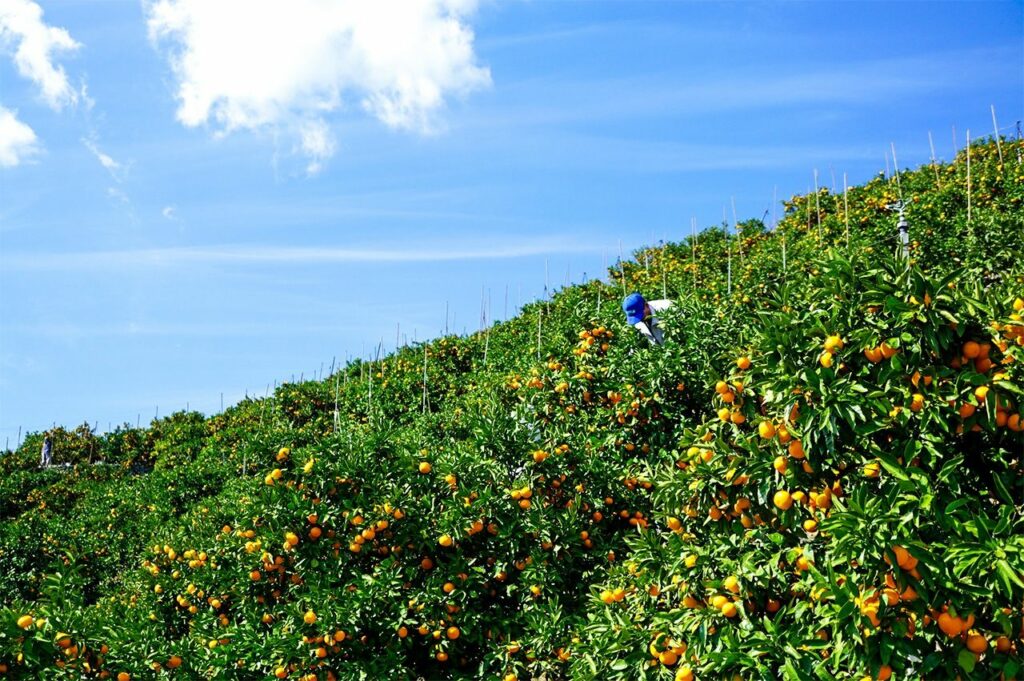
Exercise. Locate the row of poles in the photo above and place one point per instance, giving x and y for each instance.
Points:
(486, 319)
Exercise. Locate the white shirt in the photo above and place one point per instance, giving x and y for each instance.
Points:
(650, 328)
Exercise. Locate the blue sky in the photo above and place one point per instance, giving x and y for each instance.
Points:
(216, 196)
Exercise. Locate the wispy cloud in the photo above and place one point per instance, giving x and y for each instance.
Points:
(111, 166)
(762, 87)
(170, 213)
(269, 255)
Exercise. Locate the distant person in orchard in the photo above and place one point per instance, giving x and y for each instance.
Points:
(46, 456)
(640, 314)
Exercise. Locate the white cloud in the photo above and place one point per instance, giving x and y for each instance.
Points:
(118, 195)
(112, 166)
(252, 64)
(170, 213)
(317, 144)
(35, 43)
(17, 140)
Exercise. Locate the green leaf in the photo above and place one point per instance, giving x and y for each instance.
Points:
(966, 660)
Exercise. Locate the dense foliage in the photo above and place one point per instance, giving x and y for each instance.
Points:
(818, 476)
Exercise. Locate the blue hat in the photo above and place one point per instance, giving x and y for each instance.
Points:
(633, 306)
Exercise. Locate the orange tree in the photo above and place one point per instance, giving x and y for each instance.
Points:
(816, 476)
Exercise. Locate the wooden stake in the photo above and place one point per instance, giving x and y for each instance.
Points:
(995, 128)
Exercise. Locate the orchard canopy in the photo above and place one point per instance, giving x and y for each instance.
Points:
(817, 477)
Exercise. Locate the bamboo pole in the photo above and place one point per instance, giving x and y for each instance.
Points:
(817, 203)
(896, 165)
(622, 270)
(846, 209)
(424, 378)
(728, 243)
(736, 228)
(968, 177)
(540, 314)
(995, 129)
(693, 248)
(935, 168)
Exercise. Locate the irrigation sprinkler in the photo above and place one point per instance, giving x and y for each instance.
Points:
(902, 227)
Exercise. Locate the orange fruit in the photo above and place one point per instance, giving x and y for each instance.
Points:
(783, 500)
(668, 658)
(743, 363)
(976, 643)
(874, 355)
(971, 350)
(950, 626)
(729, 609)
(796, 449)
(425, 467)
(780, 464)
(766, 429)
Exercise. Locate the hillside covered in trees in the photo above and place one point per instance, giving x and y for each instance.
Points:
(818, 476)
